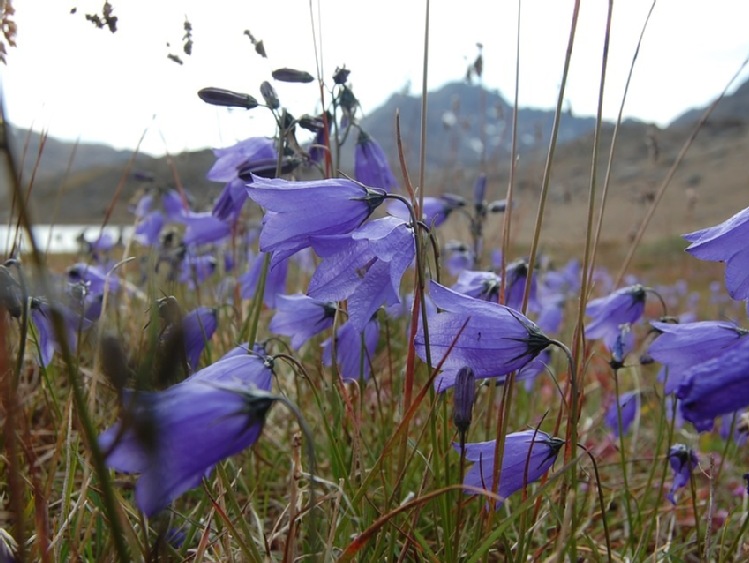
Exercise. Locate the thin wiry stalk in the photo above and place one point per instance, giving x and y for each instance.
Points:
(669, 176)
(612, 150)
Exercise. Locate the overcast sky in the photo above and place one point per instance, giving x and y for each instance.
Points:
(81, 82)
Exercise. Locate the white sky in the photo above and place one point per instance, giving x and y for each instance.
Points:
(81, 82)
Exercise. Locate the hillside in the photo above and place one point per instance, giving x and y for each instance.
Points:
(709, 186)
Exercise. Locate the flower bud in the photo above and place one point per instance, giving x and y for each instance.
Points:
(341, 75)
(292, 75)
(465, 392)
(227, 98)
(269, 95)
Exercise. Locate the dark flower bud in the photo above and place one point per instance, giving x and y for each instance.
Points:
(347, 100)
(267, 168)
(465, 392)
(312, 123)
(11, 296)
(341, 75)
(269, 95)
(479, 192)
(227, 98)
(292, 75)
(499, 206)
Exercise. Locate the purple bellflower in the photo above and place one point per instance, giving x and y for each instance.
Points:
(516, 276)
(371, 167)
(681, 346)
(715, 387)
(620, 344)
(301, 317)
(625, 305)
(365, 267)
(198, 327)
(479, 285)
(173, 438)
(92, 277)
(149, 227)
(275, 281)
(204, 228)
(355, 350)
(495, 341)
(527, 456)
(41, 317)
(230, 159)
(297, 211)
(436, 210)
(629, 405)
(459, 257)
(197, 269)
(726, 243)
(682, 461)
(465, 393)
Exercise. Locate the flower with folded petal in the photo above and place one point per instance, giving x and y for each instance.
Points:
(198, 327)
(682, 461)
(527, 456)
(494, 341)
(371, 167)
(355, 350)
(726, 243)
(365, 267)
(715, 387)
(629, 407)
(681, 346)
(296, 211)
(301, 317)
(275, 280)
(229, 162)
(173, 438)
(436, 210)
(625, 305)
(480, 285)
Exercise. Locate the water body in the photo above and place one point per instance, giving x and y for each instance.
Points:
(61, 239)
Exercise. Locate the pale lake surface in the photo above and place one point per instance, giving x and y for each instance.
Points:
(57, 239)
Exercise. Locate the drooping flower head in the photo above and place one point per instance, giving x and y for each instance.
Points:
(682, 460)
(726, 243)
(296, 211)
(365, 267)
(230, 159)
(680, 346)
(198, 327)
(371, 167)
(355, 350)
(629, 405)
(480, 285)
(715, 387)
(436, 210)
(527, 456)
(301, 317)
(625, 305)
(495, 341)
(173, 438)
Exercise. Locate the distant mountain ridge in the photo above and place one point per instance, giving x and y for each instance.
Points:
(456, 115)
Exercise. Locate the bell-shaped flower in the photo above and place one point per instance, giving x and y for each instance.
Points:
(625, 305)
(275, 280)
(726, 243)
(230, 159)
(458, 257)
(355, 350)
(197, 269)
(204, 228)
(682, 460)
(73, 323)
(371, 166)
(516, 276)
(715, 387)
(495, 339)
(173, 438)
(296, 211)
(198, 327)
(629, 407)
(680, 346)
(480, 285)
(620, 344)
(93, 277)
(301, 317)
(436, 210)
(148, 229)
(365, 267)
(527, 455)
